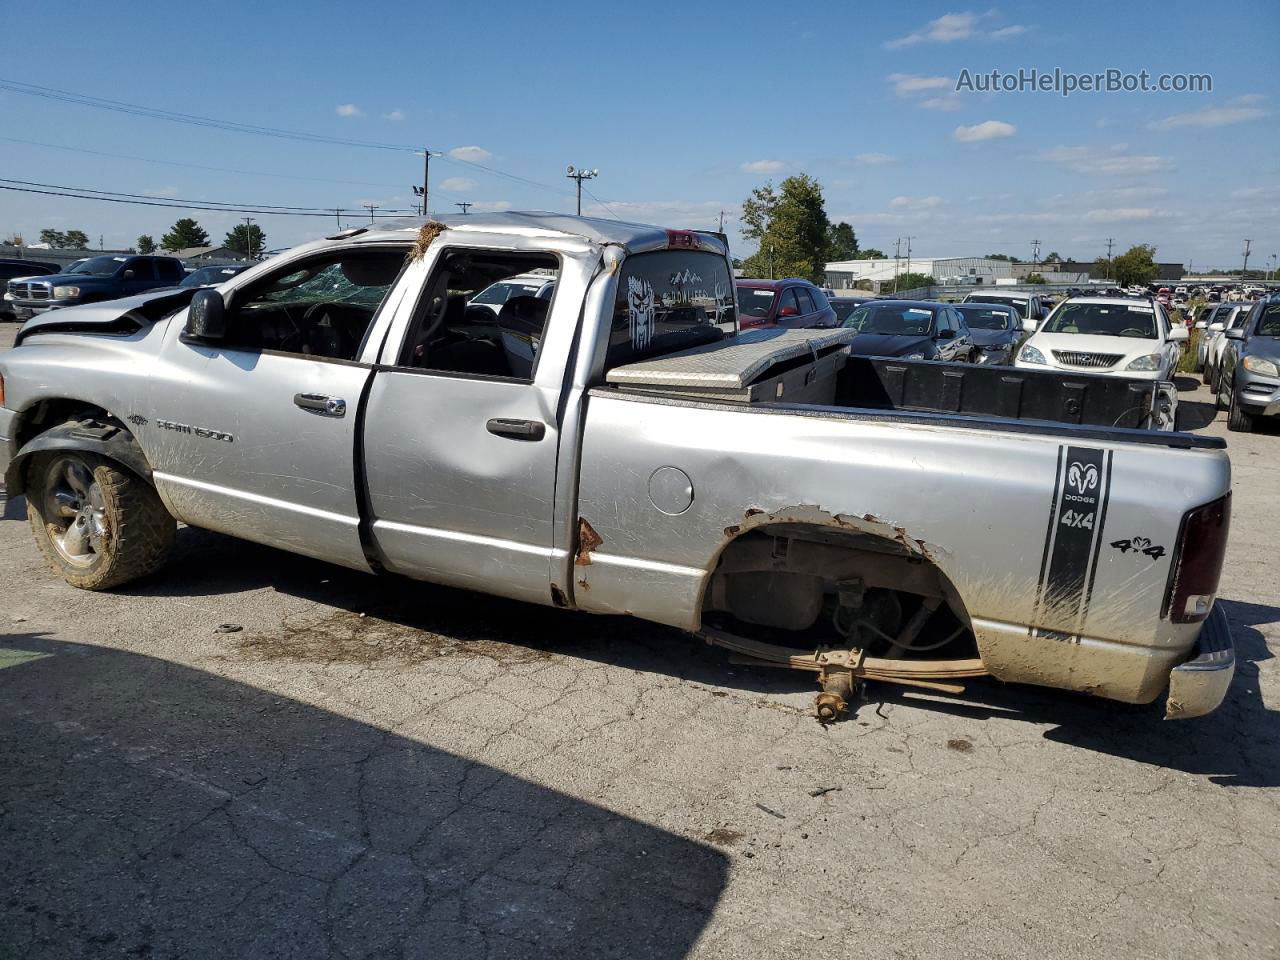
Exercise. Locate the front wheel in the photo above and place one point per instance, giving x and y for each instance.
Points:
(97, 524)
(1237, 419)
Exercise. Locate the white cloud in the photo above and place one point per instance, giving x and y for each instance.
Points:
(348, 110)
(763, 166)
(1209, 117)
(951, 27)
(1125, 215)
(949, 103)
(1256, 193)
(396, 114)
(905, 84)
(1017, 217)
(491, 206)
(915, 203)
(946, 29)
(1250, 98)
(987, 130)
(875, 159)
(456, 184)
(1111, 161)
(471, 154)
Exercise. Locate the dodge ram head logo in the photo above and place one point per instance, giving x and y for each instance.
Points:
(1082, 477)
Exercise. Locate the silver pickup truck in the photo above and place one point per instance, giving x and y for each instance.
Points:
(620, 448)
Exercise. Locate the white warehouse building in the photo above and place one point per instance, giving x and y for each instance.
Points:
(846, 274)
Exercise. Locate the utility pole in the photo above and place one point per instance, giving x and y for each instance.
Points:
(909, 239)
(579, 176)
(897, 263)
(248, 235)
(771, 261)
(337, 216)
(465, 205)
(1110, 241)
(721, 221)
(423, 191)
(370, 207)
(1035, 255)
(1244, 271)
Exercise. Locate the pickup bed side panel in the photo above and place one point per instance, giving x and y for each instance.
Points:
(1059, 548)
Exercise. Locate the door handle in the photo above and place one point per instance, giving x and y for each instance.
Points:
(517, 429)
(318, 403)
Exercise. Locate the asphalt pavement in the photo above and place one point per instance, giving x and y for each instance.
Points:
(363, 767)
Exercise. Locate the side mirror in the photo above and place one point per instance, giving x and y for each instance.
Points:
(128, 275)
(206, 317)
(1029, 325)
(1234, 333)
(788, 312)
(1200, 324)
(946, 334)
(1177, 334)
(1215, 328)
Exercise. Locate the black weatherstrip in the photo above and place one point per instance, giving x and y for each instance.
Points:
(363, 502)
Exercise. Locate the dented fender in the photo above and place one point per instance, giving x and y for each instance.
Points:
(105, 438)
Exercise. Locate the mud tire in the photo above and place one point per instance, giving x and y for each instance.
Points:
(137, 531)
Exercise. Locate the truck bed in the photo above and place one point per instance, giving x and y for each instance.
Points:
(814, 367)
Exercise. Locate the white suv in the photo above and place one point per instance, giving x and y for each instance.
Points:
(1109, 335)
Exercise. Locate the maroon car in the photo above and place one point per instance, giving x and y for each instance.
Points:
(793, 302)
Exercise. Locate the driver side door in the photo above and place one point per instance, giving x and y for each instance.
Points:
(254, 436)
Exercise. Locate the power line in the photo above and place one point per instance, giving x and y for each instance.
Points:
(173, 116)
(138, 110)
(170, 204)
(148, 196)
(195, 166)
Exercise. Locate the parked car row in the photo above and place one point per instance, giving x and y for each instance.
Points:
(1247, 371)
(33, 288)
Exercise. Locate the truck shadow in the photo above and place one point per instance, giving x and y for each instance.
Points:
(155, 810)
(415, 619)
(1238, 745)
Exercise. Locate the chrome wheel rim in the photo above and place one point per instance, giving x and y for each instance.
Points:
(75, 512)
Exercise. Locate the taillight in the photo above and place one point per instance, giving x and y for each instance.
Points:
(1, 390)
(1197, 562)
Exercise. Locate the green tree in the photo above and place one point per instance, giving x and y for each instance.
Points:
(1035, 278)
(909, 281)
(146, 243)
(1135, 265)
(54, 238)
(184, 233)
(842, 242)
(870, 253)
(790, 225)
(76, 240)
(248, 239)
(1001, 256)
(1052, 256)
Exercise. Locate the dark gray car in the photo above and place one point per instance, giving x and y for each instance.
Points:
(1249, 370)
(996, 329)
(911, 329)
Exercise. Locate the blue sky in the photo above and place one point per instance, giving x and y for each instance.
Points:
(683, 108)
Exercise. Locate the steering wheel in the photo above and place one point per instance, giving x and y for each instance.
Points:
(1132, 332)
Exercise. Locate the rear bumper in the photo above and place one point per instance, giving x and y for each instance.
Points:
(1199, 686)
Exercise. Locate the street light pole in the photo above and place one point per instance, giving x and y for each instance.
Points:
(579, 176)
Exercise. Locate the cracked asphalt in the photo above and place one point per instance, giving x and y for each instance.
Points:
(378, 768)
